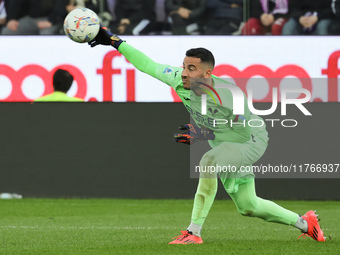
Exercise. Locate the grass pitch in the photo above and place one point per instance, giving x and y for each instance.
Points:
(116, 226)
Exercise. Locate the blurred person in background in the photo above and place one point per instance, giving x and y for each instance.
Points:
(3, 13)
(309, 17)
(185, 16)
(225, 16)
(134, 17)
(266, 16)
(334, 28)
(62, 82)
(35, 17)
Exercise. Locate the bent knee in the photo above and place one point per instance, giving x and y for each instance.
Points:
(246, 212)
(208, 159)
(207, 186)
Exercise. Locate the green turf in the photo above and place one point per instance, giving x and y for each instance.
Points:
(114, 226)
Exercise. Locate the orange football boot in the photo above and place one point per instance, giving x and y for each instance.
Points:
(314, 230)
(187, 238)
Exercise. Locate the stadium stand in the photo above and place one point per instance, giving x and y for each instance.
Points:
(161, 17)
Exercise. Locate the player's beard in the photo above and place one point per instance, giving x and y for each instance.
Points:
(186, 81)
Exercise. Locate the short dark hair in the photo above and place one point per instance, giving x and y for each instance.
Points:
(205, 55)
(62, 80)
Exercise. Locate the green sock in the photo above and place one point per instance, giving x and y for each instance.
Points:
(204, 198)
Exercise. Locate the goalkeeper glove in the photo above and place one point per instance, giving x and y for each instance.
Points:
(193, 134)
(105, 37)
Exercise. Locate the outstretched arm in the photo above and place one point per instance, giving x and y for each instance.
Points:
(136, 57)
(142, 62)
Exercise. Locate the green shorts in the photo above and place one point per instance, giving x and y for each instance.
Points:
(233, 161)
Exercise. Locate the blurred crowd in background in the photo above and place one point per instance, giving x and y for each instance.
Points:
(178, 17)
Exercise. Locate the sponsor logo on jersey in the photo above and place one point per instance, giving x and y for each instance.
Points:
(167, 70)
(212, 112)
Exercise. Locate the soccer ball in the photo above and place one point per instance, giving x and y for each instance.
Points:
(81, 25)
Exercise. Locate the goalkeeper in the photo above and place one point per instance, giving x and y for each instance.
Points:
(237, 145)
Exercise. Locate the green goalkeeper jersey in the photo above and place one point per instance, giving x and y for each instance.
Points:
(230, 127)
